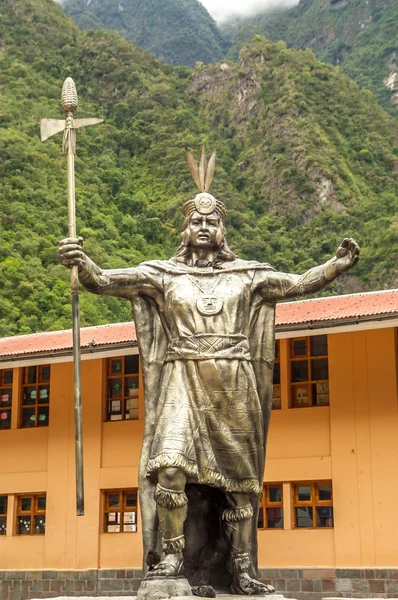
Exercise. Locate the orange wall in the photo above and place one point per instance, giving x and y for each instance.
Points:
(354, 442)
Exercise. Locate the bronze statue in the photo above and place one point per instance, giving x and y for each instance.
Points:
(205, 328)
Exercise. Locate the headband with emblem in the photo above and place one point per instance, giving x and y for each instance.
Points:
(203, 174)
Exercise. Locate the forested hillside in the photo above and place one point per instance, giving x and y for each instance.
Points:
(179, 32)
(361, 36)
(304, 158)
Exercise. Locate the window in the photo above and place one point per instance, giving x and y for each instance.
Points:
(3, 515)
(122, 388)
(271, 507)
(276, 388)
(35, 396)
(5, 398)
(313, 505)
(31, 514)
(309, 371)
(120, 514)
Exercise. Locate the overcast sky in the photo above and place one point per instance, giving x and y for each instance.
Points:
(221, 9)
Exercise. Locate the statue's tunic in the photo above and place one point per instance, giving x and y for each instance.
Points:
(209, 419)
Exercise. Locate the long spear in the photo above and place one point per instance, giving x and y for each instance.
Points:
(48, 128)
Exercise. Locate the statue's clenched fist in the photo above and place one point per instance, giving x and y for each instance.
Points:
(71, 251)
(347, 254)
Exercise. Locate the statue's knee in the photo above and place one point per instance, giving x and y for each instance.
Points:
(172, 478)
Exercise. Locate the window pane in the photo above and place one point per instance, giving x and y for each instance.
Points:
(299, 347)
(44, 394)
(114, 500)
(30, 375)
(319, 368)
(131, 386)
(304, 516)
(275, 494)
(117, 366)
(304, 493)
(325, 492)
(44, 413)
(320, 394)
(26, 504)
(300, 396)
(324, 516)
(277, 373)
(299, 370)
(41, 503)
(132, 414)
(3, 505)
(112, 522)
(5, 419)
(276, 397)
(24, 524)
(115, 388)
(276, 349)
(319, 345)
(7, 377)
(28, 417)
(3, 525)
(131, 364)
(6, 397)
(29, 395)
(131, 499)
(130, 521)
(260, 522)
(45, 373)
(40, 524)
(275, 518)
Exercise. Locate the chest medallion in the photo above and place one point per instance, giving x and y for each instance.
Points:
(208, 303)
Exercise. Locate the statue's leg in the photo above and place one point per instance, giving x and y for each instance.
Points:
(238, 530)
(171, 503)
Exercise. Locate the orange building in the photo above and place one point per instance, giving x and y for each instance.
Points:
(328, 525)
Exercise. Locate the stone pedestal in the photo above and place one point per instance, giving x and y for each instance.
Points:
(157, 589)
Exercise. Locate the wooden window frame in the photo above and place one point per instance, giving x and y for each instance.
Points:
(123, 508)
(3, 515)
(308, 357)
(267, 503)
(277, 400)
(37, 405)
(124, 397)
(3, 387)
(32, 513)
(314, 502)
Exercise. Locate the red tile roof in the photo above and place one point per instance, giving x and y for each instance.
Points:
(316, 312)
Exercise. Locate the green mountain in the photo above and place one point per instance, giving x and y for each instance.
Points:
(304, 158)
(178, 32)
(361, 36)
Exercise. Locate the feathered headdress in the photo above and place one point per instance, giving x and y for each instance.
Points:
(202, 174)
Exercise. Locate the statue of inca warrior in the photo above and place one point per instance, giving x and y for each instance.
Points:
(205, 328)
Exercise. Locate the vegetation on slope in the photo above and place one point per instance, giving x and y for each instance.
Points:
(361, 36)
(178, 32)
(304, 158)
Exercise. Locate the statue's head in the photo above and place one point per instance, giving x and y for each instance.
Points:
(203, 227)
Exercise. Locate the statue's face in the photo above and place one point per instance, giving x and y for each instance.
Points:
(204, 230)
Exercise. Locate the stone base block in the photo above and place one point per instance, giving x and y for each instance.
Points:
(156, 589)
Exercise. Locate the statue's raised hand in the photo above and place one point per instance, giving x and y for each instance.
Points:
(347, 255)
(71, 251)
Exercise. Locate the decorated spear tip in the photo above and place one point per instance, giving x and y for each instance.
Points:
(69, 95)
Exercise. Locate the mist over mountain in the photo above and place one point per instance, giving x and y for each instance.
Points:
(223, 10)
(304, 158)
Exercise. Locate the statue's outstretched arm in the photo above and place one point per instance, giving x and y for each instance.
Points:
(282, 286)
(118, 282)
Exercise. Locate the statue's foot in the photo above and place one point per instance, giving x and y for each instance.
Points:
(244, 585)
(169, 566)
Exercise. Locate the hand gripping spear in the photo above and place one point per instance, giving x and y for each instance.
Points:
(48, 128)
